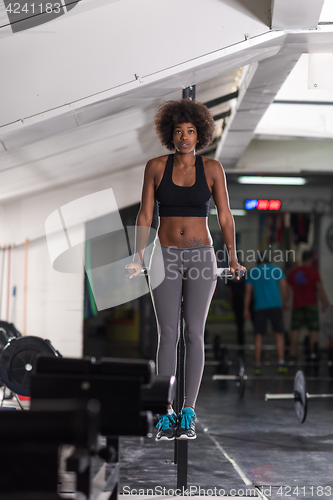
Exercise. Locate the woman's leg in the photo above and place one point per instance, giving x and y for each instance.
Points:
(166, 299)
(199, 286)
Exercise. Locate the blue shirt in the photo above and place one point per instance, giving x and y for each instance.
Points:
(265, 280)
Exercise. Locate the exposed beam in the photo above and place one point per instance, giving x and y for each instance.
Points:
(258, 92)
(221, 100)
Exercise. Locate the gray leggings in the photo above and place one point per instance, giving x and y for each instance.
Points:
(191, 271)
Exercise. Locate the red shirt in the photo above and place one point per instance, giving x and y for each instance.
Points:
(303, 280)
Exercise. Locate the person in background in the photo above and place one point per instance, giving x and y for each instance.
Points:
(305, 282)
(267, 281)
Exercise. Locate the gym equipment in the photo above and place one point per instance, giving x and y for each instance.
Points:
(127, 390)
(31, 441)
(300, 396)
(18, 359)
(7, 331)
(10, 329)
(240, 378)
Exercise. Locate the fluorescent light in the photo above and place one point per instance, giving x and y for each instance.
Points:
(236, 211)
(253, 179)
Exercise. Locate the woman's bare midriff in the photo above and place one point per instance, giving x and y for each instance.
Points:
(184, 232)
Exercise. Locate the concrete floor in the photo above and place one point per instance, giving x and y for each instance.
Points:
(244, 447)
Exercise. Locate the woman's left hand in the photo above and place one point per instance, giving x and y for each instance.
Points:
(236, 269)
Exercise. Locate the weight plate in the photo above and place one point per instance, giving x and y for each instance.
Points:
(241, 381)
(18, 360)
(300, 397)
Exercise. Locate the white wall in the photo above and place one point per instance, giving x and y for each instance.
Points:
(54, 300)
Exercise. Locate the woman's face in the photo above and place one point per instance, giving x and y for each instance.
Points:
(185, 137)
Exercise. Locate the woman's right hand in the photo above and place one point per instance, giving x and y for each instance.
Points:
(135, 269)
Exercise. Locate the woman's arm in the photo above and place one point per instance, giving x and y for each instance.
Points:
(144, 218)
(225, 218)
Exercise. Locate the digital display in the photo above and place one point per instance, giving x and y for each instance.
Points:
(262, 204)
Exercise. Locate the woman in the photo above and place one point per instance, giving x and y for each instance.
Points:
(182, 184)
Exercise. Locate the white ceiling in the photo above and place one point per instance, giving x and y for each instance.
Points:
(313, 120)
(72, 109)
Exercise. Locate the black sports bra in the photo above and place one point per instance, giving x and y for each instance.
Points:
(183, 201)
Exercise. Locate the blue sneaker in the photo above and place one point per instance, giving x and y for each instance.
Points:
(166, 425)
(186, 425)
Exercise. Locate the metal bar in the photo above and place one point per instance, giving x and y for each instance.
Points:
(264, 378)
(182, 464)
(223, 271)
(222, 115)
(189, 93)
(285, 377)
(292, 396)
(225, 377)
(279, 396)
(181, 447)
(220, 100)
(312, 396)
(235, 347)
(18, 401)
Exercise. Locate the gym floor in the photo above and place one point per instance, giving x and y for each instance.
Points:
(244, 447)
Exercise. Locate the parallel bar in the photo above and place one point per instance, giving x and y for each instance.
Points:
(181, 447)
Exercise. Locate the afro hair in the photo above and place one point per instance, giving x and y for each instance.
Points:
(172, 113)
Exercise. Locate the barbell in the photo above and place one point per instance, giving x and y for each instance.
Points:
(300, 396)
(240, 378)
